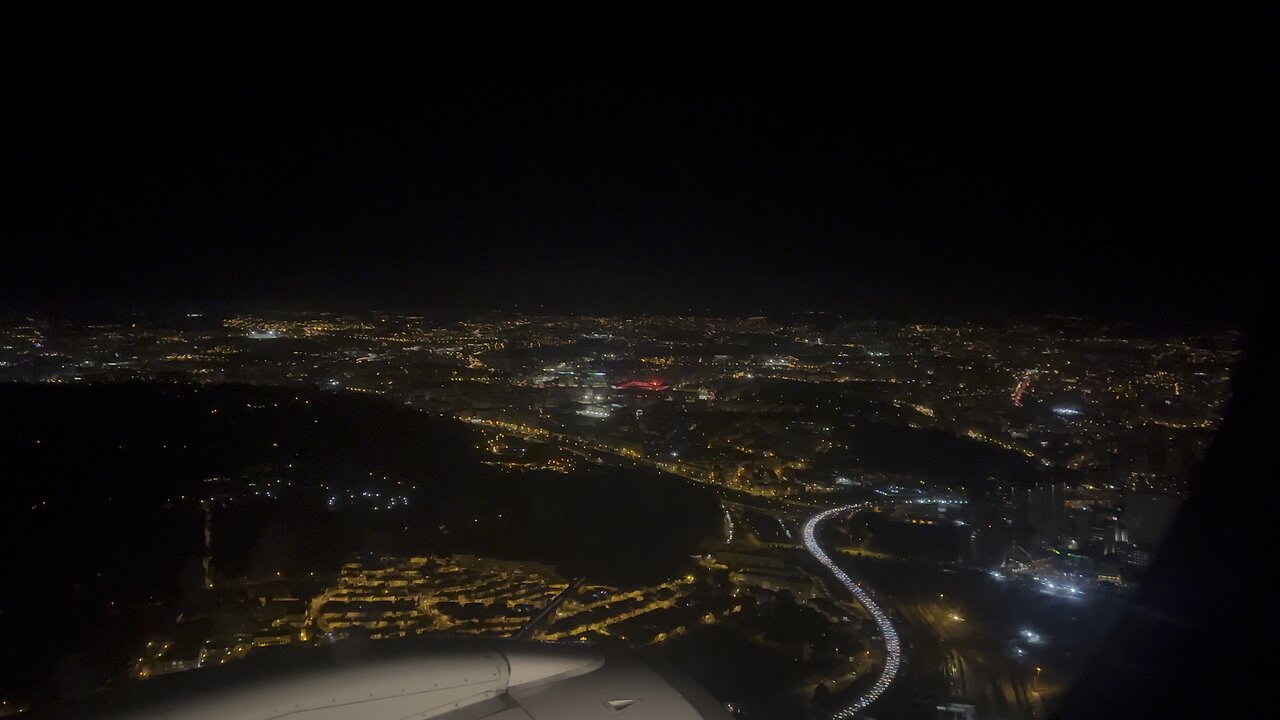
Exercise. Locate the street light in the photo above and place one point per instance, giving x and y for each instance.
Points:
(1035, 683)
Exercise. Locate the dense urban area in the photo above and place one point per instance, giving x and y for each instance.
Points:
(805, 513)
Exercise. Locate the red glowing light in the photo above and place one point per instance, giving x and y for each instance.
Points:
(1022, 389)
(642, 385)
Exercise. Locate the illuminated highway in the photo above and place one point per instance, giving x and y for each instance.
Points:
(893, 649)
(597, 451)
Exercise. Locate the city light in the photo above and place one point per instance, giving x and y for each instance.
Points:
(771, 454)
(893, 650)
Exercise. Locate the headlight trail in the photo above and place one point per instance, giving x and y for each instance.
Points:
(893, 649)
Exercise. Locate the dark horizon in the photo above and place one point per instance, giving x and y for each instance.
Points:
(1012, 164)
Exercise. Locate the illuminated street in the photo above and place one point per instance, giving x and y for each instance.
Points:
(893, 650)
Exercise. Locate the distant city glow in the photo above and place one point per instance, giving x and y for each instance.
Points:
(677, 398)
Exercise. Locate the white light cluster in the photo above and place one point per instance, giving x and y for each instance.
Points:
(893, 649)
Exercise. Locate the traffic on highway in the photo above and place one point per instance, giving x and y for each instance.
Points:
(893, 649)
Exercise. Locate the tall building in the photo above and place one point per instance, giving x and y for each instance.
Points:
(1109, 533)
(1043, 507)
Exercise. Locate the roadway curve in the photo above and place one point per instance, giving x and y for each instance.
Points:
(893, 649)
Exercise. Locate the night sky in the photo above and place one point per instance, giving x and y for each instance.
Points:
(935, 165)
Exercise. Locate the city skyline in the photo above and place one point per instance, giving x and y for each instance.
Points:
(797, 490)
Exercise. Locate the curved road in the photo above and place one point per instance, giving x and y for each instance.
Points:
(893, 649)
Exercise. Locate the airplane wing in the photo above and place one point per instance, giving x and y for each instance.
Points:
(463, 680)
